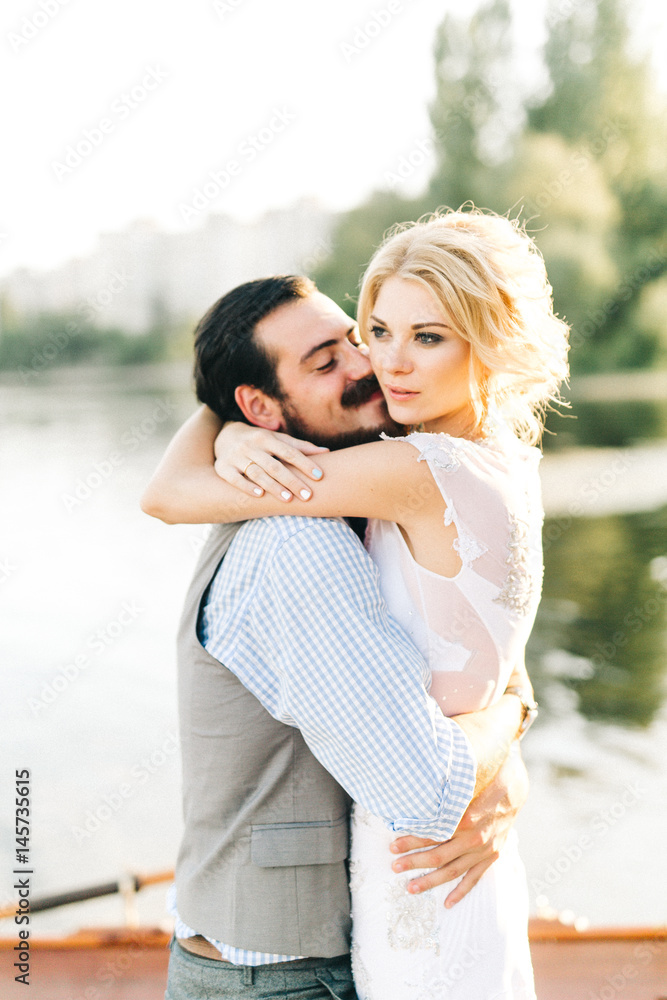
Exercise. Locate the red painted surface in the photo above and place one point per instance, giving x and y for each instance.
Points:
(118, 965)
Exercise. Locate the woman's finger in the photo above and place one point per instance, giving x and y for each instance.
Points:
(235, 479)
(284, 450)
(274, 477)
(246, 473)
(239, 446)
(267, 484)
(306, 447)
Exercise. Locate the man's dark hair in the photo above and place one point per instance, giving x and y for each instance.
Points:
(226, 350)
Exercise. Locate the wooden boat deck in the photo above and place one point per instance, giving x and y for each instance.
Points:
(131, 964)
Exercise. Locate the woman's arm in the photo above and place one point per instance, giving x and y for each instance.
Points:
(491, 733)
(371, 480)
(172, 490)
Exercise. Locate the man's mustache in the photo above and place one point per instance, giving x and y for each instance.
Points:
(359, 392)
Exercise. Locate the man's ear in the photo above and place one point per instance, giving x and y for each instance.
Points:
(258, 408)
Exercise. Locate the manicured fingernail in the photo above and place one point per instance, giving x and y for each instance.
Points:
(394, 849)
(305, 494)
(257, 491)
(286, 495)
(397, 867)
(413, 888)
(317, 473)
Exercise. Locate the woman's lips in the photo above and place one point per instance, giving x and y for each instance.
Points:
(400, 395)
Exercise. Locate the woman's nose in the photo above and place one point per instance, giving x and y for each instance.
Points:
(395, 359)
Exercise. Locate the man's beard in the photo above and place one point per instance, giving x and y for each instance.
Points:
(353, 397)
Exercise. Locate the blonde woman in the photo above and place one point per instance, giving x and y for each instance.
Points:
(456, 311)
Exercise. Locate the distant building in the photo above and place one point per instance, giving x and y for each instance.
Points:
(142, 276)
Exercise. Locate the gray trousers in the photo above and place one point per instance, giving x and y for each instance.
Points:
(192, 977)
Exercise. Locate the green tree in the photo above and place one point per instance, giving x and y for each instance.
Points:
(609, 185)
(477, 111)
(583, 159)
(355, 237)
(473, 120)
(33, 345)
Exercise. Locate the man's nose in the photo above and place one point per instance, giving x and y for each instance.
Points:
(358, 364)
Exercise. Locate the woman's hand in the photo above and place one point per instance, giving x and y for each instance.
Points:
(255, 460)
(519, 678)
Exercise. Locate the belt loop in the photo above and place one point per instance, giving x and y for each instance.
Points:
(248, 975)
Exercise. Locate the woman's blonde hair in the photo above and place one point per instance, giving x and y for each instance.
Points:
(490, 278)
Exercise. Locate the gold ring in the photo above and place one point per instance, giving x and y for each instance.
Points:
(247, 467)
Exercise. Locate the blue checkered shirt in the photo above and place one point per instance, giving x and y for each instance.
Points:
(295, 612)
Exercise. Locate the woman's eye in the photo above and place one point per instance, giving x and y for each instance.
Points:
(377, 331)
(428, 338)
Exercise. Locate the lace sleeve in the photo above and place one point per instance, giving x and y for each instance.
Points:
(443, 455)
(491, 494)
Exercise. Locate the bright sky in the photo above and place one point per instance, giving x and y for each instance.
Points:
(295, 97)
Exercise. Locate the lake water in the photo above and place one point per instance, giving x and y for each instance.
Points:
(91, 592)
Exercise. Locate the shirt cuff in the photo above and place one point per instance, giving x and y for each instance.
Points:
(459, 789)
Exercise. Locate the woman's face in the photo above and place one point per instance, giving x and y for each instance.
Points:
(421, 363)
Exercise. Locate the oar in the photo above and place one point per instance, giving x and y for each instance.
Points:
(131, 883)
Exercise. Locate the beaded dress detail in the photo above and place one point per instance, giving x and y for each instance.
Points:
(471, 629)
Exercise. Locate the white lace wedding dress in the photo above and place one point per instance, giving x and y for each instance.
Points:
(471, 629)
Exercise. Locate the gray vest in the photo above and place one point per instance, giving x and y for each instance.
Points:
(262, 861)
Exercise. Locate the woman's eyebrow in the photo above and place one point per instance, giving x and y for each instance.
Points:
(419, 326)
(415, 326)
